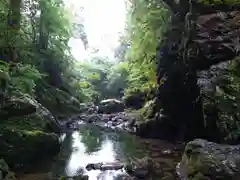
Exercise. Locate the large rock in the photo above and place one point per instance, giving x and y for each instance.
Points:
(25, 110)
(161, 128)
(136, 98)
(204, 160)
(60, 103)
(21, 147)
(26, 131)
(110, 106)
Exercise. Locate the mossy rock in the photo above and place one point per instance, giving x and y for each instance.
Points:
(15, 113)
(204, 160)
(5, 173)
(147, 110)
(111, 106)
(25, 146)
(59, 102)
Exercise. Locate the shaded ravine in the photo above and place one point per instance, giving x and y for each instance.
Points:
(91, 144)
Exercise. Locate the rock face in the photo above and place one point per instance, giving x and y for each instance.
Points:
(204, 160)
(110, 106)
(26, 131)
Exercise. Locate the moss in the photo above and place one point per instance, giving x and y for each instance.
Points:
(8, 175)
(25, 138)
(59, 102)
(24, 146)
(196, 164)
(30, 122)
(200, 163)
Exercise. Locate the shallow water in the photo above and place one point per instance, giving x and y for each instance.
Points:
(91, 144)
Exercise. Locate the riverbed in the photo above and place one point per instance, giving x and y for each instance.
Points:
(92, 144)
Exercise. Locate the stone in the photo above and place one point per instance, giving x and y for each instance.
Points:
(23, 108)
(5, 173)
(60, 103)
(144, 168)
(204, 160)
(104, 166)
(25, 147)
(110, 106)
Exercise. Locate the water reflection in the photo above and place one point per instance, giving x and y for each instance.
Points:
(92, 145)
(92, 138)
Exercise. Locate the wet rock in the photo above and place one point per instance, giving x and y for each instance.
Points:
(93, 118)
(110, 106)
(88, 108)
(207, 160)
(121, 121)
(94, 166)
(114, 166)
(104, 166)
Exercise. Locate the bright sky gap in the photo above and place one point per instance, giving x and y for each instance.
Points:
(103, 20)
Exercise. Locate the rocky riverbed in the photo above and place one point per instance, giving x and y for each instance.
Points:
(121, 121)
(100, 146)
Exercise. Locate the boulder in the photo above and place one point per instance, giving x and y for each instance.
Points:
(135, 100)
(21, 147)
(110, 106)
(158, 128)
(59, 102)
(5, 173)
(144, 168)
(204, 160)
(26, 131)
(24, 110)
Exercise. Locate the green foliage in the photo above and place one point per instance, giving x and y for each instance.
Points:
(24, 79)
(147, 20)
(101, 78)
(41, 55)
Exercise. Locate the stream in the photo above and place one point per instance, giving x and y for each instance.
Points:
(92, 144)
